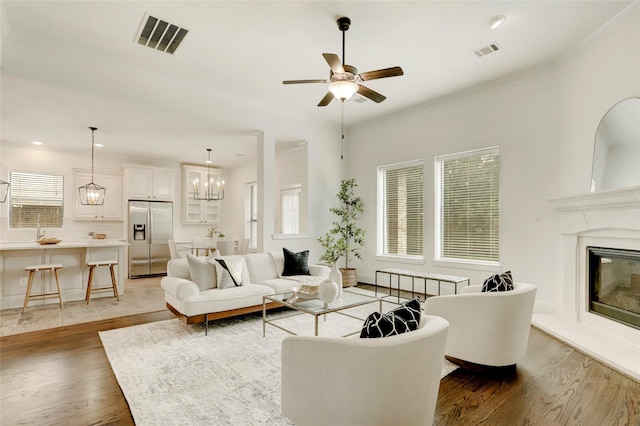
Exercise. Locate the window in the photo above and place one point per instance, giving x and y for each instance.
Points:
(400, 209)
(467, 206)
(251, 214)
(290, 210)
(36, 197)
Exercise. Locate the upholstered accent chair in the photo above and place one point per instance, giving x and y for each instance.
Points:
(353, 381)
(486, 329)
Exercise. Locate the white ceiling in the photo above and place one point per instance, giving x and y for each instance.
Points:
(67, 65)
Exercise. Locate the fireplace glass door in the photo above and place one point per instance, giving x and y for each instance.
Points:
(614, 284)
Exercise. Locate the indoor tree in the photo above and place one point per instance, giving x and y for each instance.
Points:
(345, 239)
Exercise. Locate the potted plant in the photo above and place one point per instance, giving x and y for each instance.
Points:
(345, 238)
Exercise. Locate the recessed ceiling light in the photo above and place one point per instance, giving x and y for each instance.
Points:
(36, 143)
(98, 145)
(496, 21)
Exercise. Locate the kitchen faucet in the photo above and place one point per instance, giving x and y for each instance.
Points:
(38, 234)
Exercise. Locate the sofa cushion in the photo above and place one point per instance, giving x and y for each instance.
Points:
(261, 267)
(403, 319)
(202, 271)
(295, 263)
(215, 300)
(498, 282)
(178, 268)
(228, 273)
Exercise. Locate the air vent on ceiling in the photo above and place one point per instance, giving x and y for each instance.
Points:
(161, 35)
(359, 99)
(483, 51)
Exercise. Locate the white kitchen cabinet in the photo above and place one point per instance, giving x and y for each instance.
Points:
(146, 183)
(112, 207)
(198, 211)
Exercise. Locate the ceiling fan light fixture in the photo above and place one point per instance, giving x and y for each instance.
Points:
(343, 90)
(496, 21)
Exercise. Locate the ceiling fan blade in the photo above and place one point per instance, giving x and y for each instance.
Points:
(334, 62)
(327, 98)
(304, 81)
(387, 72)
(371, 94)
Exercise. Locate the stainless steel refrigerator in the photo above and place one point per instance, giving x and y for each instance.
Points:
(150, 228)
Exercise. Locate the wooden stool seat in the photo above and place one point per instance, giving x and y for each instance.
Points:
(114, 286)
(32, 269)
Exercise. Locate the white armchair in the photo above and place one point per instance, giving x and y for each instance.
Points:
(353, 381)
(489, 329)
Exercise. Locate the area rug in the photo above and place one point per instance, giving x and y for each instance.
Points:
(172, 374)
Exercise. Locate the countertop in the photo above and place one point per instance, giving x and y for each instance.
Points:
(32, 245)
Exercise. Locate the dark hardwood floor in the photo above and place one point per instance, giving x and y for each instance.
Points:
(62, 376)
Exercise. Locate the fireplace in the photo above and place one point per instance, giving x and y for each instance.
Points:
(614, 284)
(608, 221)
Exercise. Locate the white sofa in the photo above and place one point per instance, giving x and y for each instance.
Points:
(261, 276)
(387, 381)
(486, 329)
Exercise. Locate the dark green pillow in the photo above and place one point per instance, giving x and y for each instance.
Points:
(295, 263)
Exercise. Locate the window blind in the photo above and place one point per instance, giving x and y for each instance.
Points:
(401, 187)
(33, 195)
(469, 206)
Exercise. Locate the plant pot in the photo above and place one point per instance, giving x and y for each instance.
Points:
(349, 277)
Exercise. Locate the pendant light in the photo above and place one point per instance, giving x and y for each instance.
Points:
(4, 190)
(213, 190)
(92, 194)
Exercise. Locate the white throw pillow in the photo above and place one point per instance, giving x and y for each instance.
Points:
(278, 259)
(231, 276)
(202, 271)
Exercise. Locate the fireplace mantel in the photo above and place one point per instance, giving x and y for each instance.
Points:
(616, 211)
(604, 219)
(619, 198)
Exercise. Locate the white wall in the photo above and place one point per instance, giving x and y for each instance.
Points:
(233, 208)
(544, 122)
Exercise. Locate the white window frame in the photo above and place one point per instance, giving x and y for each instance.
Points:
(438, 164)
(382, 219)
(40, 190)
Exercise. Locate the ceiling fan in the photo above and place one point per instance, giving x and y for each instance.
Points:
(344, 79)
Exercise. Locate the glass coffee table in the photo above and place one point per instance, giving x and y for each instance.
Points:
(315, 307)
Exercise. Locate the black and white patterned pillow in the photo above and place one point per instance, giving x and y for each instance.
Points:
(400, 320)
(498, 282)
(229, 273)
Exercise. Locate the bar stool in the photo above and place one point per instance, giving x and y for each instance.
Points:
(32, 269)
(114, 286)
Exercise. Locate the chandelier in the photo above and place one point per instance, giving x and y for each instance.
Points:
(92, 194)
(213, 189)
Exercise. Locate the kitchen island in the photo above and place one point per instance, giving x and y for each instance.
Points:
(72, 255)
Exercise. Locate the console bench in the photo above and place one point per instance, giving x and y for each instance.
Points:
(425, 276)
